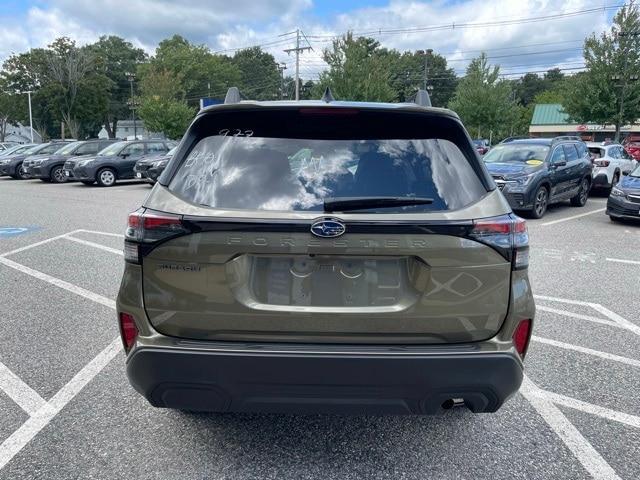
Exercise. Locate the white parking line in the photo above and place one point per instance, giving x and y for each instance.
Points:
(596, 353)
(619, 260)
(95, 245)
(108, 234)
(573, 217)
(21, 393)
(584, 452)
(37, 244)
(579, 316)
(623, 322)
(41, 418)
(563, 300)
(70, 287)
(627, 419)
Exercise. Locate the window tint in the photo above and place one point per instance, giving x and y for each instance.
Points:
(570, 152)
(156, 147)
(88, 149)
(52, 148)
(558, 155)
(613, 152)
(134, 149)
(266, 173)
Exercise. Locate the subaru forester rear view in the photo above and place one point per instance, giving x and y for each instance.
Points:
(325, 257)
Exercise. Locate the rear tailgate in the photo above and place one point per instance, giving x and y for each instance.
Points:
(244, 281)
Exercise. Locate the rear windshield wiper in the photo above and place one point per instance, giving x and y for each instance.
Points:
(341, 204)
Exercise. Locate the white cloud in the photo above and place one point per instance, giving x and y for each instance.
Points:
(225, 25)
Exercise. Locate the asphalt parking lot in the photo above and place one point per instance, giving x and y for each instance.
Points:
(68, 411)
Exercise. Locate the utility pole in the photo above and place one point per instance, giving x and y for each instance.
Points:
(298, 49)
(427, 53)
(281, 68)
(30, 115)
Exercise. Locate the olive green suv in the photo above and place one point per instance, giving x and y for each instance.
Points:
(325, 256)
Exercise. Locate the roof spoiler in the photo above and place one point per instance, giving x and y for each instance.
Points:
(422, 98)
(233, 95)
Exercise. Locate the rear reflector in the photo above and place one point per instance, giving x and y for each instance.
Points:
(128, 331)
(521, 337)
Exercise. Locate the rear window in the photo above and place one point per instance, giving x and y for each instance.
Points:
(255, 172)
(597, 152)
(516, 153)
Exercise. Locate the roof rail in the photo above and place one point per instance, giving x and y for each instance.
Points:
(422, 98)
(562, 138)
(327, 97)
(233, 95)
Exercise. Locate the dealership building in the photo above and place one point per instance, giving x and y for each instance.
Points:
(550, 120)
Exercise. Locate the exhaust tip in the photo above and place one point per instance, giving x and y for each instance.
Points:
(453, 403)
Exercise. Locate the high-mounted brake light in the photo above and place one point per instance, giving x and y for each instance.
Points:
(507, 233)
(128, 331)
(521, 337)
(328, 111)
(146, 227)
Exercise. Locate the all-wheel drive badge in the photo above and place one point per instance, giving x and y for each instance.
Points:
(328, 228)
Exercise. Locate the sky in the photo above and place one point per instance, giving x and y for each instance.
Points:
(457, 29)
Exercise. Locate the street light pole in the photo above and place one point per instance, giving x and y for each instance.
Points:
(131, 77)
(30, 116)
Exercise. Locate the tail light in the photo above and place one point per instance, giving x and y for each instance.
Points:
(521, 337)
(601, 163)
(128, 331)
(146, 227)
(508, 234)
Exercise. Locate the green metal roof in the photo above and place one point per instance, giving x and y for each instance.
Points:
(549, 114)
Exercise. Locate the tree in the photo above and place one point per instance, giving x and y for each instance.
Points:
(528, 87)
(115, 59)
(202, 72)
(259, 74)
(12, 108)
(608, 92)
(484, 101)
(408, 76)
(163, 107)
(28, 71)
(358, 70)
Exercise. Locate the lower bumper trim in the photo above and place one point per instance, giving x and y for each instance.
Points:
(322, 383)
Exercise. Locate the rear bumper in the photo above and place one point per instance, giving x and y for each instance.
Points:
(601, 181)
(247, 379)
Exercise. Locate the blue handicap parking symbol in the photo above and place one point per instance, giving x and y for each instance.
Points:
(14, 231)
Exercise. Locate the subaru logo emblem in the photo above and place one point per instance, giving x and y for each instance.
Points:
(328, 228)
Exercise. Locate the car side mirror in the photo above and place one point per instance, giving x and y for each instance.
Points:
(124, 155)
(561, 163)
(624, 174)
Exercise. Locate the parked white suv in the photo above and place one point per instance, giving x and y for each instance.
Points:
(610, 162)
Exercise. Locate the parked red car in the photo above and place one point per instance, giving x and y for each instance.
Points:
(632, 146)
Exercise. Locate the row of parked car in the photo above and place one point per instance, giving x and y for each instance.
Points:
(101, 161)
(533, 173)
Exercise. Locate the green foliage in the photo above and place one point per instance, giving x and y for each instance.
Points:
(163, 107)
(608, 92)
(408, 76)
(171, 117)
(358, 70)
(484, 101)
(259, 75)
(115, 59)
(201, 71)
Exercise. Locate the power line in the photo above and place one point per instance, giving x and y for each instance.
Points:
(454, 26)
